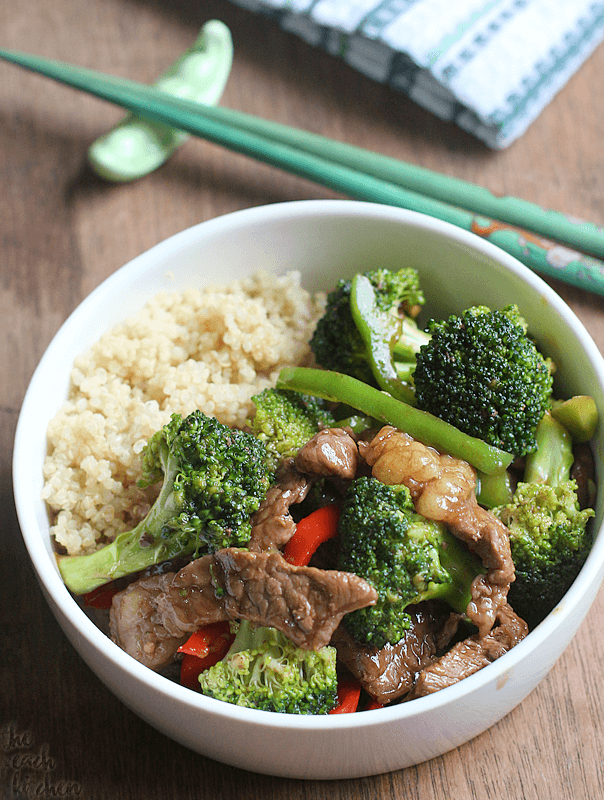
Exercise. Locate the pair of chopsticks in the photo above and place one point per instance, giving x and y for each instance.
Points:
(546, 241)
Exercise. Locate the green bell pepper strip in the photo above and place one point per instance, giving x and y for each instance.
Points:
(378, 331)
(421, 425)
(137, 146)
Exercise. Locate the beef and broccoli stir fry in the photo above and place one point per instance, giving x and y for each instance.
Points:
(390, 520)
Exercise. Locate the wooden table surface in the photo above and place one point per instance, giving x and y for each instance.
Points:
(62, 231)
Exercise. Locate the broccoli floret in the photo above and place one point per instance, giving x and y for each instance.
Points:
(263, 669)
(549, 538)
(286, 420)
(549, 542)
(337, 343)
(214, 478)
(406, 557)
(482, 373)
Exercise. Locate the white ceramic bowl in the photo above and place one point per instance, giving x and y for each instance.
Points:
(324, 240)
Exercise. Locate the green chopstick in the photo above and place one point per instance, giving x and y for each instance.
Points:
(343, 168)
(584, 236)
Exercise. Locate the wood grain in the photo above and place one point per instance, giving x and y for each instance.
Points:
(63, 231)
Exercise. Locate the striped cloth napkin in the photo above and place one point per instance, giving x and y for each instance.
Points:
(491, 66)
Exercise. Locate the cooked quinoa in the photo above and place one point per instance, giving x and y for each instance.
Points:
(211, 349)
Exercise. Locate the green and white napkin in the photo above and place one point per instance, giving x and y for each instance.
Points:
(491, 66)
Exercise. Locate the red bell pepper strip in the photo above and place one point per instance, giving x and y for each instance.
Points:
(207, 640)
(101, 597)
(190, 669)
(349, 693)
(311, 532)
(202, 650)
(373, 704)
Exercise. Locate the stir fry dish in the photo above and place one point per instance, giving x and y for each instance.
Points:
(396, 511)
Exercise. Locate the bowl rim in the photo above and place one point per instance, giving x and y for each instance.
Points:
(48, 575)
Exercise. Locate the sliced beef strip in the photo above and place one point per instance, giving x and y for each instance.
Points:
(153, 617)
(471, 655)
(305, 603)
(273, 525)
(389, 672)
(331, 452)
(139, 628)
(443, 489)
(487, 600)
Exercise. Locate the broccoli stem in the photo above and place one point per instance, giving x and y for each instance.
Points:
(462, 567)
(122, 557)
(411, 339)
(551, 462)
(405, 370)
(420, 425)
(247, 637)
(129, 551)
(579, 415)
